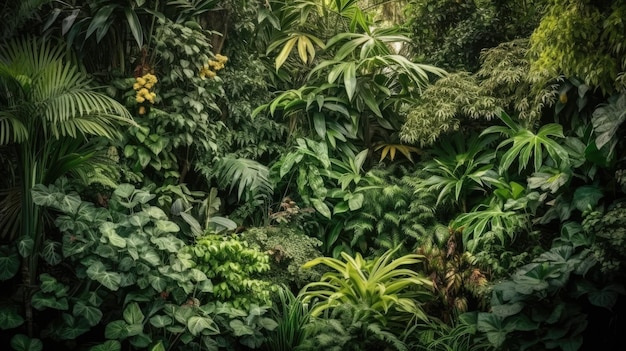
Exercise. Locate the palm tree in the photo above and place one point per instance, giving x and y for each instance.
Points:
(49, 114)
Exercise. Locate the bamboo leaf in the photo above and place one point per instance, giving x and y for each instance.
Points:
(349, 79)
(284, 53)
(135, 25)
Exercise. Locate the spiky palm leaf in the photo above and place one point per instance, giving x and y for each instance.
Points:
(47, 95)
(251, 176)
(49, 113)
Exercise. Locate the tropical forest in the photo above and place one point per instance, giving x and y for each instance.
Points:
(274, 175)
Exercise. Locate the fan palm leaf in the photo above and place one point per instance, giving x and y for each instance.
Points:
(251, 177)
(49, 115)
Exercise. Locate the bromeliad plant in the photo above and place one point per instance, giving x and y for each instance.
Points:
(385, 286)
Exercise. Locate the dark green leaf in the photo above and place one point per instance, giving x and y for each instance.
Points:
(587, 197)
(9, 262)
(93, 315)
(135, 25)
(25, 246)
(9, 318)
(109, 345)
(100, 19)
(607, 296)
(41, 301)
(506, 310)
(21, 342)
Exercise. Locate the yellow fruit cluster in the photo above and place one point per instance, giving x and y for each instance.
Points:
(143, 85)
(212, 66)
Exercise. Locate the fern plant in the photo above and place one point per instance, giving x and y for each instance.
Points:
(393, 213)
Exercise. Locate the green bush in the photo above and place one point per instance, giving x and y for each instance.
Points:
(289, 250)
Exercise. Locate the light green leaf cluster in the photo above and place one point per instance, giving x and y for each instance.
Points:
(580, 39)
(382, 284)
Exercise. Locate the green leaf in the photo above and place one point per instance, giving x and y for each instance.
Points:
(586, 197)
(205, 286)
(98, 272)
(108, 231)
(140, 341)
(548, 178)
(349, 79)
(93, 315)
(284, 53)
(607, 296)
(240, 329)
(49, 284)
(222, 223)
(133, 314)
(142, 196)
(268, 323)
(109, 345)
(197, 325)
(9, 318)
(124, 191)
(152, 257)
(167, 226)
(160, 321)
(607, 119)
(491, 325)
(135, 25)
(355, 201)
(9, 262)
(25, 246)
(51, 252)
(116, 330)
(40, 301)
(319, 122)
(321, 207)
(506, 310)
(99, 21)
(21, 342)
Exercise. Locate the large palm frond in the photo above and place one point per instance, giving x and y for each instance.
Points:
(49, 114)
(250, 176)
(48, 93)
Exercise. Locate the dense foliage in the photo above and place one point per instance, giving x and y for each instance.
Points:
(307, 174)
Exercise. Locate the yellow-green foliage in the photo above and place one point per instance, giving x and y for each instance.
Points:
(578, 38)
(233, 268)
(442, 106)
